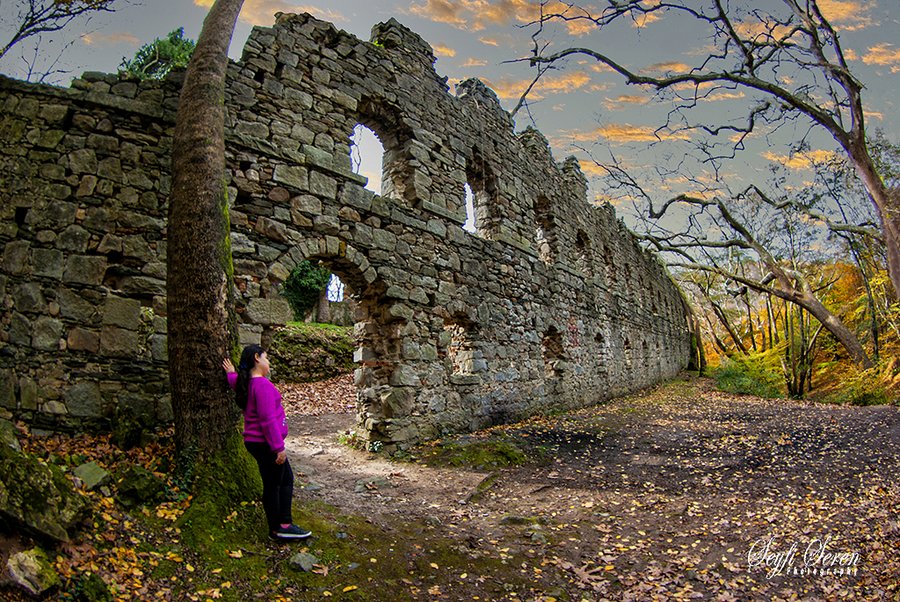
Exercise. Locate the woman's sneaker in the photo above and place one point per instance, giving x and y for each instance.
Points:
(291, 532)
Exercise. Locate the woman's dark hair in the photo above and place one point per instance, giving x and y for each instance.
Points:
(248, 362)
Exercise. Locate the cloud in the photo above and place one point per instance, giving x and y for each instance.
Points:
(804, 160)
(724, 95)
(566, 82)
(625, 132)
(665, 67)
(883, 55)
(624, 101)
(110, 39)
(850, 15)
(262, 12)
(590, 168)
(489, 41)
(441, 11)
(641, 21)
(475, 15)
(470, 62)
(441, 50)
(580, 27)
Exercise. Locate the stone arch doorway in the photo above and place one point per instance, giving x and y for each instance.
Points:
(377, 331)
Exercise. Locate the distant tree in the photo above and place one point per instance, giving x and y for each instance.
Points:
(35, 17)
(156, 59)
(304, 287)
(789, 59)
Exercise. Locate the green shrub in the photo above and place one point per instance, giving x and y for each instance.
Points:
(304, 286)
(862, 388)
(757, 374)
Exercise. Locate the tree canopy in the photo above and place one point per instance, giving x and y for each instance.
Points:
(156, 59)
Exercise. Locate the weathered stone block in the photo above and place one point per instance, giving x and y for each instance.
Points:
(118, 342)
(46, 333)
(84, 399)
(81, 339)
(289, 175)
(84, 269)
(268, 311)
(29, 297)
(48, 262)
(122, 312)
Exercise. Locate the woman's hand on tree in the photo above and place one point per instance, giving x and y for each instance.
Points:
(227, 365)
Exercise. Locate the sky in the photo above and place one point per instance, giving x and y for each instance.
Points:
(581, 108)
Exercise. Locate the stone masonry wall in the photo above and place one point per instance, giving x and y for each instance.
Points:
(550, 303)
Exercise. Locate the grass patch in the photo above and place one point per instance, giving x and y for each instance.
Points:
(477, 454)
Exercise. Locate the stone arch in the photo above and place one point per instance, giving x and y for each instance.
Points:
(385, 120)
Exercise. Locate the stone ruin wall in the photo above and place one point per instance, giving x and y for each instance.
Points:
(550, 304)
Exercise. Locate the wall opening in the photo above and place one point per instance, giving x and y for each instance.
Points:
(470, 225)
(583, 257)
(609, 266)
(553, 353)
(459, 344)
(367, 157)
(545, 230)
(481, 181)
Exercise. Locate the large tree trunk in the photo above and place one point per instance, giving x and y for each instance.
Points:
(199, 250)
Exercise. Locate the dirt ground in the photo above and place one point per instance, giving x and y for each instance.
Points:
(676, 492)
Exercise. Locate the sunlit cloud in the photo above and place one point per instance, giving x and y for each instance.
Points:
(441, 50)
(753, 30)
(559, 107)
(109, 39)
(624, 132)
(580, 27)
(475, 15)
(641, 21)
(601, 68)
(624, 101)
(262, 12)
(566, 82)
(804, 160)
(470, 62)
(441, 11)
(489, 41)
(591, 168)
(874, 114)
(883, 55)
(724, 95)
(849, 15)
(666, 67)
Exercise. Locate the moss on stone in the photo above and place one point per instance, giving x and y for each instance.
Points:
(302, 352)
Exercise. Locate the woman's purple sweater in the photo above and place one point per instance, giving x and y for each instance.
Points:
(264, 419)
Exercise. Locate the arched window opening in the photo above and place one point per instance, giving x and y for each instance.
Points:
(367, 157)
(545, 230)
(583, 256)
(470, 225)
(483, 184)
(626, 347)
(553, 353)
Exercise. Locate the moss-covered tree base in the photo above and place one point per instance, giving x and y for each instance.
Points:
(220, 483)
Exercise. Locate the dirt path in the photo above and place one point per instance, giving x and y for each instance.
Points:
(680, 491)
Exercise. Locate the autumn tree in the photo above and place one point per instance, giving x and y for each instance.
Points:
(786, 55)
(200, 328)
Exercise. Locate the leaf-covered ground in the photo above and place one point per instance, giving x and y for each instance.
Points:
(668, 494)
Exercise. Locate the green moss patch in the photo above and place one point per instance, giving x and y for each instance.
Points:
(302, 352)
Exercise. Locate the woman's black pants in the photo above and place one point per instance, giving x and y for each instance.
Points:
(278, 484)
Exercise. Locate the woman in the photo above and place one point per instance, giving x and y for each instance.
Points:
(265, 428)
